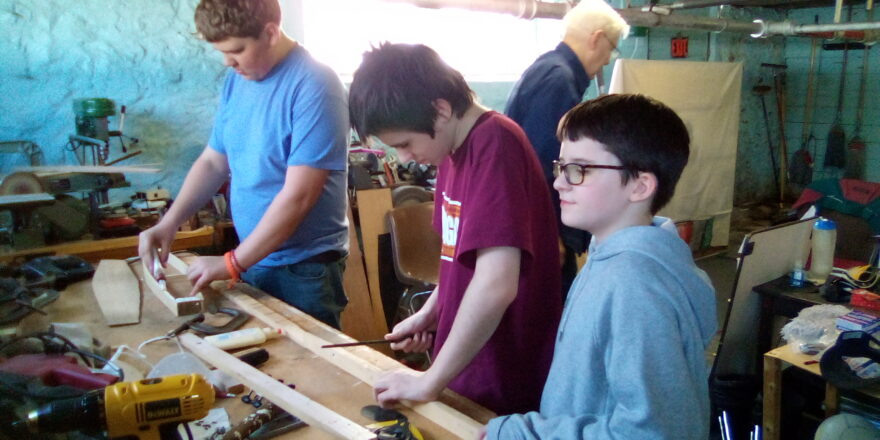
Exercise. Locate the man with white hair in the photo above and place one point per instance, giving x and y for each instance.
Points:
(555, 83)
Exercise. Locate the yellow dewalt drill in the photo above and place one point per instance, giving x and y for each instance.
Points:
(148, 409)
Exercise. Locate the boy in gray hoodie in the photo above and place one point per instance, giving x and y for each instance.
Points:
(629, 359)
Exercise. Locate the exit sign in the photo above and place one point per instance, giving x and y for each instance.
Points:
(679, 47)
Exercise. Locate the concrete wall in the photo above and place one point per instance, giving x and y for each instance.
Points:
(754, 175)
(142, 54)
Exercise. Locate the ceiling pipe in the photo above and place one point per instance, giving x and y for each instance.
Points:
(689, 4)
(661, 18)
(863, 32)
(638, 17)
(527, 9)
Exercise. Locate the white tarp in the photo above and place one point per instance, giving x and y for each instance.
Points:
(707, 97)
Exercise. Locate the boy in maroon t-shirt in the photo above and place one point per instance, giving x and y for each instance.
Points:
(497, 306)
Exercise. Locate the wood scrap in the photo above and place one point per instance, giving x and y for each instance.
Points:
(311, 412)
(118, 292)
(373, 204)
(357, 318)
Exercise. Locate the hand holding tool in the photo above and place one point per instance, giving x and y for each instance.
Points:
(370, 342)
(158, 273)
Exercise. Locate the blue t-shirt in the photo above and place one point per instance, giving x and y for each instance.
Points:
(296, 115)
(550, 87)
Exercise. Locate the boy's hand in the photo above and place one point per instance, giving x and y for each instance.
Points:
(399, 385)
(414, 333)
(204, 270)
(158, 237)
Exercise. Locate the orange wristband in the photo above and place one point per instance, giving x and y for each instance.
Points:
(235, 263)
(230, 267)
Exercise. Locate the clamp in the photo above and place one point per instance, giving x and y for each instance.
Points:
(196, 323)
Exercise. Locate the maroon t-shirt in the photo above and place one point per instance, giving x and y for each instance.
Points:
(491, 192)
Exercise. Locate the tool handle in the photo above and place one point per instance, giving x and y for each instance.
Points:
(372, 341)
(352, 344)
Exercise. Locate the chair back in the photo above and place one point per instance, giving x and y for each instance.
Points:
(415, 246)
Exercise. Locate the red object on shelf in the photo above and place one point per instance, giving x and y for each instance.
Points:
(685, 230)
(116, 222)
(865, 298)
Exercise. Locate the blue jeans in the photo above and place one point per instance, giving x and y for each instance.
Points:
(314, 288)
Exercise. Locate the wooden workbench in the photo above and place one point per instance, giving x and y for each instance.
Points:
(313, 376)
(773, 365)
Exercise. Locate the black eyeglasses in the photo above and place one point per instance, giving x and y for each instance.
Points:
(575, 172)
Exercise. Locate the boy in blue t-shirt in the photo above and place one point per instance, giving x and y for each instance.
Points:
(629, 358)
(280, 136)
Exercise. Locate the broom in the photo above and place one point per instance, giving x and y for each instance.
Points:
(855, 155)
(835, 150)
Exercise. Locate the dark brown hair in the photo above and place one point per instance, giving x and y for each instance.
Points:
(217, 20)
(395, 88)
(642, 132)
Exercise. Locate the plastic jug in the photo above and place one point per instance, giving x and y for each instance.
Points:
(823, 241)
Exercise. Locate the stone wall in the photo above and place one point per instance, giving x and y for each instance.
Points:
(139, 53)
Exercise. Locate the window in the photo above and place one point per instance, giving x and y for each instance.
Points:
(484, 46)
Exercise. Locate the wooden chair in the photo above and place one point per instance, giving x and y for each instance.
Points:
(415, 249)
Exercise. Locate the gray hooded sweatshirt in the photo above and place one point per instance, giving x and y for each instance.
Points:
(629, 360)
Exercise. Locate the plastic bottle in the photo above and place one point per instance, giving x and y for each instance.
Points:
(823, 242)
(243, 338)
(797, 277)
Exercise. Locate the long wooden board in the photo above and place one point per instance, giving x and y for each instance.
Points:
(347, 359)
(118, 292)
(115, 248)
(291, 401)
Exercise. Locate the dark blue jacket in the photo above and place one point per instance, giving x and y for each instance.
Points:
(551, 86)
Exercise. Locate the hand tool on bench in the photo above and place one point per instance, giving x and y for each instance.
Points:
(197, 323)
(391, 424)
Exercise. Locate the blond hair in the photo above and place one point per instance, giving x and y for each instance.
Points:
(588, 16)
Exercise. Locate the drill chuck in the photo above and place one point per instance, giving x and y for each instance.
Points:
(85, 412)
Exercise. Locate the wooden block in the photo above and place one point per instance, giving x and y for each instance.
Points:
(311, 412)
(118, 292)
(176, 294)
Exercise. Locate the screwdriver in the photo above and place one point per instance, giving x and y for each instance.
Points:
(369, 342)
